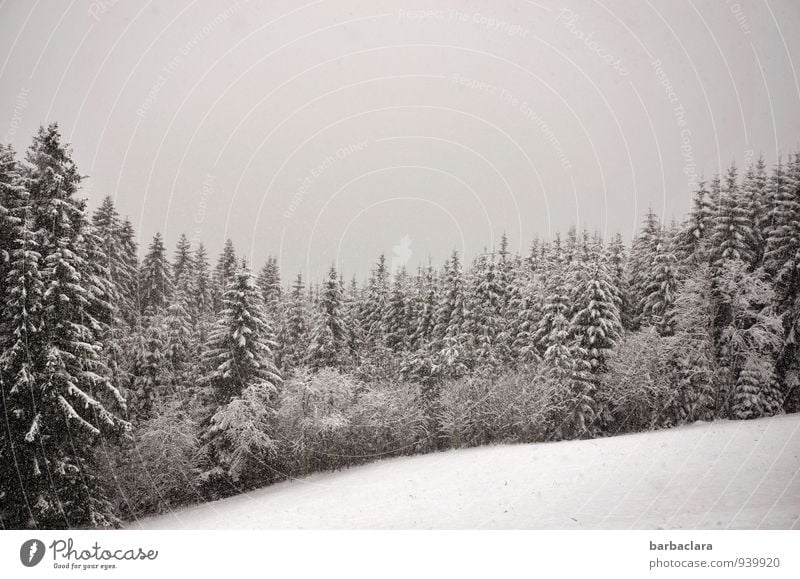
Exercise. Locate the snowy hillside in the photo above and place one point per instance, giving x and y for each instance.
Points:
(737, 475)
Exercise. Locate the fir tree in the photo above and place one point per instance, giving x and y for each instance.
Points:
(484, 321)
(150, 380)
(56, 394)
(595, 326)
(269, 282)
(691, 244)
(424, 321)
(202, 302)
(328, 342)
(155, 278)
(224, 272)
(294, 332)
(754, 197)
(245, 381)
(182, 265)
(617, 264)
(240, 349)
(643, 251)
(396, 316)
(732, 236)
(115, 258)
(662, 283)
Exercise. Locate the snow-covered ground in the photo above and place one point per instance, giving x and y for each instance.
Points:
(723, 475)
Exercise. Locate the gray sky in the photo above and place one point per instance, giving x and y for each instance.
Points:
(339, 130)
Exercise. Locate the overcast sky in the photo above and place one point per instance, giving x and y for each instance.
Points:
(328, 131)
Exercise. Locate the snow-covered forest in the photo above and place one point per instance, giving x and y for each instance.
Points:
(139, 379)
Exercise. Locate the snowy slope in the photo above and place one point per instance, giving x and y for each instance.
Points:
(738, 475)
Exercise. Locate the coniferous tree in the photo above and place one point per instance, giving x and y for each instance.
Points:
(424, 320)
(374, 305)
(328, 341)
(660, 288)
(754, 198)
(240, 349)
(269, 282)
(781, 261)
(643, 250)
(484, 321)
(224, 272)
(692, 241)
(129, 288)
(57, 397)
(732, 236)
(293, 338)
(396, 317)
(115, 251)
(245, 380)
(178, 346)
(692, 351)
(450, 337)
(595, 326)
(183, 266)
(155, 279)
(150, 380)
(202, 302)
(618, 270)
(524, 313)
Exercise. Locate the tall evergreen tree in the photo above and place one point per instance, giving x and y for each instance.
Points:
(240, 350)
(224, 272)
(732, 236)
(484, 321)
(396, 317)
(245, 381)
(202, 302)
(595, 326)
(328, 342)
(57, 398)
(374, 305)
(691, 244)
(660, 289)
(643, 251)
(269, 282)
(183, 265)
(155, 278)
(293, 338)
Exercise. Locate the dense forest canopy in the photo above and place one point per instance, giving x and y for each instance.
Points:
(131, 385)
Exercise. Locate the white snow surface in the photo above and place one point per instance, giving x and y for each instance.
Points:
(720, 475)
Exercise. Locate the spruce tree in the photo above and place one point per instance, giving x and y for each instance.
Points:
(595, 326)
(691, 244)
(240, 350)
(643, 251)
(396, 317)
(182, 265)
(245, 382)
(269, 282)
(57, 398)
(155, 279)
(328, 341)
(224, 272)
(618, 270)
(374, 305)
(732, 236)
(424, 319)
(660, 288)
(293, 337)
(202, 298)
(484, 322)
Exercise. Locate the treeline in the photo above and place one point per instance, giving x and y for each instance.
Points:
(131, 386)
